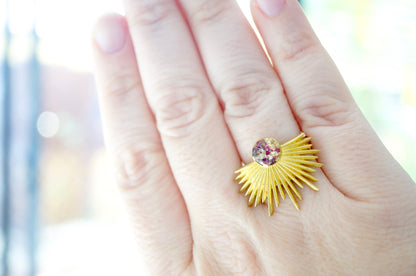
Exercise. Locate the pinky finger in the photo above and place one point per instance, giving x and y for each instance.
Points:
(154, 203)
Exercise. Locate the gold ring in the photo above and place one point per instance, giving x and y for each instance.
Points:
(276, 169)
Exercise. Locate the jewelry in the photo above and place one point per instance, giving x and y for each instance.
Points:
(276, 168)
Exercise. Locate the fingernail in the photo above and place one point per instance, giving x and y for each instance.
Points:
(271, 7)
(110, 34)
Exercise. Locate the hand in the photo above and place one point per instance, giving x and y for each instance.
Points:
(185, 91)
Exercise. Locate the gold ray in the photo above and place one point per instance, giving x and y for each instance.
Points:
(303, 162)
(246, 177)
(294, 140)
(243, 168)
(300, 152)
(258, 187)
(243, 175)
(249, 172)
(298, 171)
(266, 187)
(275, 195)
(252, 186)
(304, 180)
(247, 182)
(255, 188)
(288, 182)
(303, 157)
(259, 192)
(245, 186)
(290, 175)
(255, 181)
(270, 206)
(296, 144)
(296, 151)
(292, 198)
(300, 146)
(251, 177)
(262, 190)
(278, 183)
(281, 183)
(304, 147)
(269, 195)
(298, 166)
(311, 185)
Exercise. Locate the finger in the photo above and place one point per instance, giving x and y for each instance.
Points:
(189, 120)
(250, 91)
(153, 201)
(322, 102)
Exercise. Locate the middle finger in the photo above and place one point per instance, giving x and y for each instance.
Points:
(251, 93)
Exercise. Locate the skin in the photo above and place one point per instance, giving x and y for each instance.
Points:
(184, 96)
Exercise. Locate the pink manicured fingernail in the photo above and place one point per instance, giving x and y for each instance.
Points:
(271, 7)
(110, 34)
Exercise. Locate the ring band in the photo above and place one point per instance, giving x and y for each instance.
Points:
(276, 169)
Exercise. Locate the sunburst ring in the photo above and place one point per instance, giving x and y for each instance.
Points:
(278, 170)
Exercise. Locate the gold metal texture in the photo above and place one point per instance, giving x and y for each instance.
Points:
(293, 168)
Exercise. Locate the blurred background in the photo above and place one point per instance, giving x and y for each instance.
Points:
(60, 212)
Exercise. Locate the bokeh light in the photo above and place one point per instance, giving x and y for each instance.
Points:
(48, 124)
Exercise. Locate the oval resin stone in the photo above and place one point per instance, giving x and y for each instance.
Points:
(266, 151)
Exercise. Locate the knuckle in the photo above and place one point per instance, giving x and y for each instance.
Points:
(297, 45)
(325, 110)
(222, 243)
(208, 11)
(121, 84)
(136, 166)
(388, 211)
(149, 12)
(243, 99)
(178, 108)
